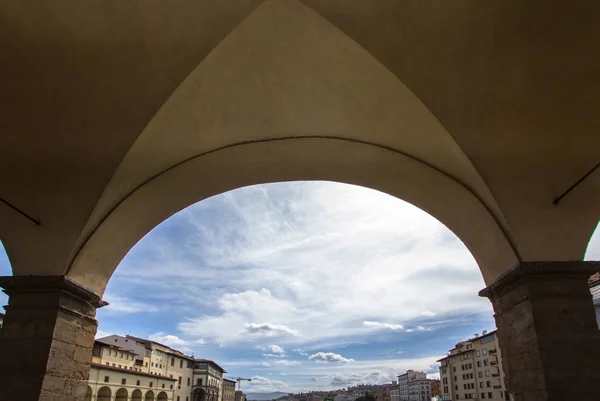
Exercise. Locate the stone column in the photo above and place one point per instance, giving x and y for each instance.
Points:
(47, 339)
(547, 331)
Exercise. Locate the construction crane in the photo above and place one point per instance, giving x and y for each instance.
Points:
(239, 380)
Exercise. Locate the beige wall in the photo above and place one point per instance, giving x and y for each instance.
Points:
(177, 367)
(115, 357)
(98, 375)
(478, 366)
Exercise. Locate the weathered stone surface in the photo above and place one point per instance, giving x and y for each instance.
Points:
(547, 331)
(47, 339)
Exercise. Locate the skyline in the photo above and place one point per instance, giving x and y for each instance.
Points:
(302, 285)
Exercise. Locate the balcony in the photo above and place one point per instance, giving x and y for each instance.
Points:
(497, 386)
(495, 374)
(493, 351)
(494, 363)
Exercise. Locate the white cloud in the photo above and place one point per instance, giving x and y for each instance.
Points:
(167, 339)
(329, 357)
(380, 325)
(419, 328)
(269, 329)
(276, 349)
(428, 314)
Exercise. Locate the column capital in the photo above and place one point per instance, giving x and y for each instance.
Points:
(15, 285)
(525, 271)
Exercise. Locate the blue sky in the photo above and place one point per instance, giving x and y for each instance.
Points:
(303, 285)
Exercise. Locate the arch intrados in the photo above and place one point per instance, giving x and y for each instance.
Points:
(162, 396)
(293, 160)
(121, 395)
(136, 395)
(104, 393)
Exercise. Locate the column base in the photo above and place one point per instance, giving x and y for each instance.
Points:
(47, 338)
(547, 331)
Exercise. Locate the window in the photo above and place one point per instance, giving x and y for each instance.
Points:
(188, 381)
(180, 363)
(198, 382)
(484, 351)
(179, 381)
(123, 381)
(163, 386)
(177, 398)
(480, 374)
(172, 361)
(106, 379)
(137, 383)
(487, 384)
(120, 355)
(146, 364)
(478, 353)
(160, 366)
(454, 368)
(150, 385)
(172, 387)
(489, 395)
(186, 398)
(478, 364)
(485, 362)
(487, 373)
(483, 396)
(107, 352)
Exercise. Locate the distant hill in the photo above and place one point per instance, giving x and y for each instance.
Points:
(265, 396)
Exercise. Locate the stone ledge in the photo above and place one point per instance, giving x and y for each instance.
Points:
(543, 270)
(32, 284)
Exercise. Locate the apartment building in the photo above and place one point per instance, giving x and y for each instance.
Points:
(179, 376)
(114, 376)
(414, 386)
(473, 370)
(228, 390)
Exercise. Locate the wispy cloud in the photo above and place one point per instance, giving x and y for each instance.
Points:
(380, 325)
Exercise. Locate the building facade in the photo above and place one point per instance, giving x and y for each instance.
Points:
(108, 383)
(228, 390)
(208, 381)
(414, 386)
(181, 377)
(473, 370)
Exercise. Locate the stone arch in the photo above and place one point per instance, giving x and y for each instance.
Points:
(121, 395)
(268, 121)
(199, 395)
(162, 396)
(149, 396)
(88, 394)
(275, 161)
(136, 395)
(104, 394)
(593, 247)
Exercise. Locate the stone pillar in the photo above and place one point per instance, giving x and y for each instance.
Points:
(547, 331)
(47, 339)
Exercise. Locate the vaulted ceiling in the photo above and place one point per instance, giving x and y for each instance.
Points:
(99, 98)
